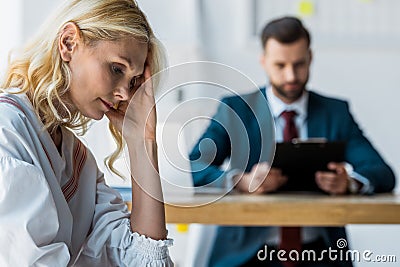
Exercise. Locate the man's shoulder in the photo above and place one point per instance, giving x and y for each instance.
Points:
(252, 96)
(327, 101)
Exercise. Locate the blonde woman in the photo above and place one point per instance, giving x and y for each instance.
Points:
(88, 61)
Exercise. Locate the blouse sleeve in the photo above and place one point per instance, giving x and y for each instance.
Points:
(28, 217)
(112, 241)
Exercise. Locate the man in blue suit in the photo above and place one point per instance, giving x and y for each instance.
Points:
(286, 59)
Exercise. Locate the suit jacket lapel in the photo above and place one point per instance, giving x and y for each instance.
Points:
(316, 117)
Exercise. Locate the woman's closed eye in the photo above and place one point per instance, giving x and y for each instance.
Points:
(136, 82)
(116, 70)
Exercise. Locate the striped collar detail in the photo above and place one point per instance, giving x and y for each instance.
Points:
(80, 155)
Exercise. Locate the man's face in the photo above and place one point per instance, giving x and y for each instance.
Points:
(287, 66)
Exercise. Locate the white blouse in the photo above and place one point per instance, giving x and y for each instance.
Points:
(55, 208)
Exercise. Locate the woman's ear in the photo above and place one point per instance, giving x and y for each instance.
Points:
(68, 40)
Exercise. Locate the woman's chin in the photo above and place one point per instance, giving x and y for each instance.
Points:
(94, 116)
(97, 118)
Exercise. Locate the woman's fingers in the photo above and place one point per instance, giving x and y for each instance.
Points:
(116, 118)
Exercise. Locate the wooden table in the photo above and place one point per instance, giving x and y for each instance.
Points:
(285, 209)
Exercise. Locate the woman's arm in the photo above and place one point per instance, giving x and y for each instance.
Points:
(147, 215)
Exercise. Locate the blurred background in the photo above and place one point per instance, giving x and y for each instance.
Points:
(356, 49)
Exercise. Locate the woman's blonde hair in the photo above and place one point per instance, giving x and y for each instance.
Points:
(40, 72)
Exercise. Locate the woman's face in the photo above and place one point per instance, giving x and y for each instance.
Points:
(105, 74)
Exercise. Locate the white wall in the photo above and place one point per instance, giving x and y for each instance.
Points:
(10, 29)
(363, 70)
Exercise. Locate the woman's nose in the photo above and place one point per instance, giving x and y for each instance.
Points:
(122, 93)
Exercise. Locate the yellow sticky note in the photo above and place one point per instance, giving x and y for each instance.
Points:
(306, 8)
(182, 228)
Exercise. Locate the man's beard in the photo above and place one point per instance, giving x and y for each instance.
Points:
(292, 95)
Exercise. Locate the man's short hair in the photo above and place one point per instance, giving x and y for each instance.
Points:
(285, 30)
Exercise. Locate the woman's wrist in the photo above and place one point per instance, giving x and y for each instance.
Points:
(141, 144)
(137, 136)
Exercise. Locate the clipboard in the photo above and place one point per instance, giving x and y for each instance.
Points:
(299, 160)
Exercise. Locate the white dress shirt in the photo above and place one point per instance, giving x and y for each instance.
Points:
(308, 234)
(299, 106)
(55, 208)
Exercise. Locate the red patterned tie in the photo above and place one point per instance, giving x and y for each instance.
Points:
(290, 236)
(290, 130)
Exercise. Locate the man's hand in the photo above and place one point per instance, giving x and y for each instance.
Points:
(334, 182)
(259, 180)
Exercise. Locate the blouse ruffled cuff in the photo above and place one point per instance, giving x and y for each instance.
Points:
(146, 250)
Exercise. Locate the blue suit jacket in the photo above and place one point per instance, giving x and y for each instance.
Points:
(247, 116)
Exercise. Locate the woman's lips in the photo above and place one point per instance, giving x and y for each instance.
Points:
(108, 105)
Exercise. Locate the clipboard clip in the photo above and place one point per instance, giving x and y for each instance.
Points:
(315, 140)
